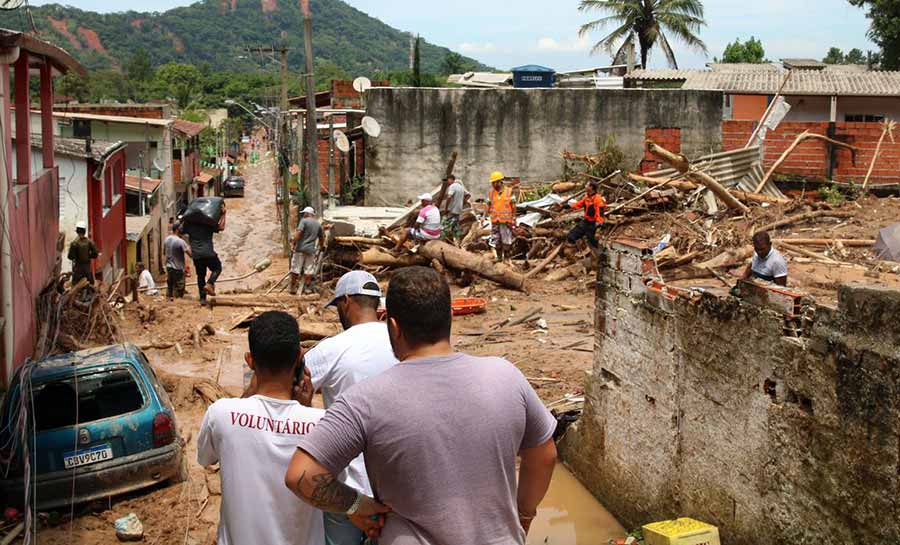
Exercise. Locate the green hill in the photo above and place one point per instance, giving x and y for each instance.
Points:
(215, 33)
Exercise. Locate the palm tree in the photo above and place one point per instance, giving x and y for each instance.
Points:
(645, 23)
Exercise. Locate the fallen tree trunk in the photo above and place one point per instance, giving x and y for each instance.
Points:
(678, 261)
(314, 331)
(727, 259)
(857, 242)
(379, 257)
(543, 264)
(681, 163)
(803, 217)
(361, 241)
(457, 258)
(690, 186)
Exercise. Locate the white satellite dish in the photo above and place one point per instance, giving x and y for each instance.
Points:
(341, 141)
(371, 127)
(361, 85)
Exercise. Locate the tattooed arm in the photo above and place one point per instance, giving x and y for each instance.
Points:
(314, 484)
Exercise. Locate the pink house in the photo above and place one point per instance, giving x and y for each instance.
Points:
(29, 202)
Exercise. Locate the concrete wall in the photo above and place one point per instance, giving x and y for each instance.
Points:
(519, 131)
(702, 406)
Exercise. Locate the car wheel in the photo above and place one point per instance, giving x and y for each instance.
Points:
(184, 471)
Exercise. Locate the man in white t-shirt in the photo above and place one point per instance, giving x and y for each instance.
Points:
(767, 263)
(145, 280)
(362, 351)
(253, 440)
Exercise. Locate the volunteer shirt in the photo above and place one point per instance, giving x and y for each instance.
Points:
(440, 436)
(456, 195)
(146, 280)
(337, 363)
(310, 229)
(201, 237)
(429, 221)
(175, 247)
(254, 440)
(771, 267)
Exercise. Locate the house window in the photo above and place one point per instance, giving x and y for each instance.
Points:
(81, 128)
(863, 118)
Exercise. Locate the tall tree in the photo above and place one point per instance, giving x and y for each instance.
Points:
(834, 56)
(179, 81)
(885, 29)
(453, 63)
(138, 67)
(855, 56)
(417, 65)
(750, 51)
(643, 25)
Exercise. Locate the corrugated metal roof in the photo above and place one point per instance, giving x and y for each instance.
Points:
(76, 147)
(743, 66)
(804, 64)
(148, 185)
(802, 82)
(188, 128)
(736, 169)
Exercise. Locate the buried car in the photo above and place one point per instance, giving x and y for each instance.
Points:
(233, 187)
(98, 423)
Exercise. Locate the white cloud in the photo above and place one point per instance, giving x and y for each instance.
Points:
(477, 48)
(582, 43)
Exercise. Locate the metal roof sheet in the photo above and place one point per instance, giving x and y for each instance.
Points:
(802, 82)
(188, 128)
(148, 185)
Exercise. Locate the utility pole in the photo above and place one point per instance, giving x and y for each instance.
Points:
(281, 136)
(312, 132)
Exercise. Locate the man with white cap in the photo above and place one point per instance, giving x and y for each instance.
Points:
(81, 251)
(303, 259)
(362, 351)
(428, 223)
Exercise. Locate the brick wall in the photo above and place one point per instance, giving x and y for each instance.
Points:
(811, 157)
(667, 137)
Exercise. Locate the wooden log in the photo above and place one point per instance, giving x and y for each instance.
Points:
(887, 128)
(679, 261)
(856, 242)
(563, 187)
(379, 257)
(564, 273)
(684, 166)
(804, 252)
(459, 259)
(314, 331)
(805, 135)
(803, 217)
(543, 264)
(362, 241)
(726, 259)
(445, 183)
(690, 186)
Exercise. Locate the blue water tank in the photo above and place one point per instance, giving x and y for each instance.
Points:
(533, 76)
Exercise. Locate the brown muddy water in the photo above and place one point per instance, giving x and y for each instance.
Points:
(570, 515)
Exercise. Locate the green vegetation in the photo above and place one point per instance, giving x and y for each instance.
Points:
(885, 30)
(750, 51)
(836, 56)
(642, 26)
(209, 33)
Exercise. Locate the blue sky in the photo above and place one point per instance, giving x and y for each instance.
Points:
(503, 33)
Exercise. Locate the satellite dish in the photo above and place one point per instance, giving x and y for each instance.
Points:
(371, 127)
(341, 141)
(361, 85)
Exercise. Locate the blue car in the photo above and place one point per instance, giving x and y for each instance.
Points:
(100, 417)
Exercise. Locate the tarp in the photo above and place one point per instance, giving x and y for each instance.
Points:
(887, 245)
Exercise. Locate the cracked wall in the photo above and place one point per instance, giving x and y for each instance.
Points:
(703, 406)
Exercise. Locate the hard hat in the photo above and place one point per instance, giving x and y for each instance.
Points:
(81, 225)
(497, 176)
(425, 197)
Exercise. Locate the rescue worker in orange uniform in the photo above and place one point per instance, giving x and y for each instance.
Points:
(502, 210)
(593, 204)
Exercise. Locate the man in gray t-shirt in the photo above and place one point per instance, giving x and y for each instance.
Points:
(457, 195)
(440, 432)
(175, 248)
(303, 260)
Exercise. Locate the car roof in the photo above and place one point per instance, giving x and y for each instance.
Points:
(63, 364)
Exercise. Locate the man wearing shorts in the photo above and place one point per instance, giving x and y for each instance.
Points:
(303, 260)
(428, 223)
(457, 195)
(502, 211)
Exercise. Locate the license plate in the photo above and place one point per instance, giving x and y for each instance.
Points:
(87, 457)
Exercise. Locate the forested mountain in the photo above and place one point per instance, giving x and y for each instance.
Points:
(214, 33)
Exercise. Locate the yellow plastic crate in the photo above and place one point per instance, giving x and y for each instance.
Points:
(683, 531)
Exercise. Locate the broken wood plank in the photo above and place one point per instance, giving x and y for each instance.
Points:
(690, 186)
(543, 264)
(803, 217)
(362, 241)
(856, 242)
(802, 251)
(459, 259)
(681, 163)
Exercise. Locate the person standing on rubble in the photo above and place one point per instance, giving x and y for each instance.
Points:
(309, 233)
(176, 248)
(362, 351)
(204, 254)
(767, 264)
(440, 432)
(428, 223)
(593, 204)
(456, 199)
(253, 438)
(502, 211)
(82, 251)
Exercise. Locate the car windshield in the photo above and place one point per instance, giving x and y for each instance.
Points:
(100, 395)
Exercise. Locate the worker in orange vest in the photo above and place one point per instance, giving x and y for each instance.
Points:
(502, 210)
(593, 204)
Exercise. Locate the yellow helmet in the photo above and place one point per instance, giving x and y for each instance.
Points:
(497, 176)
